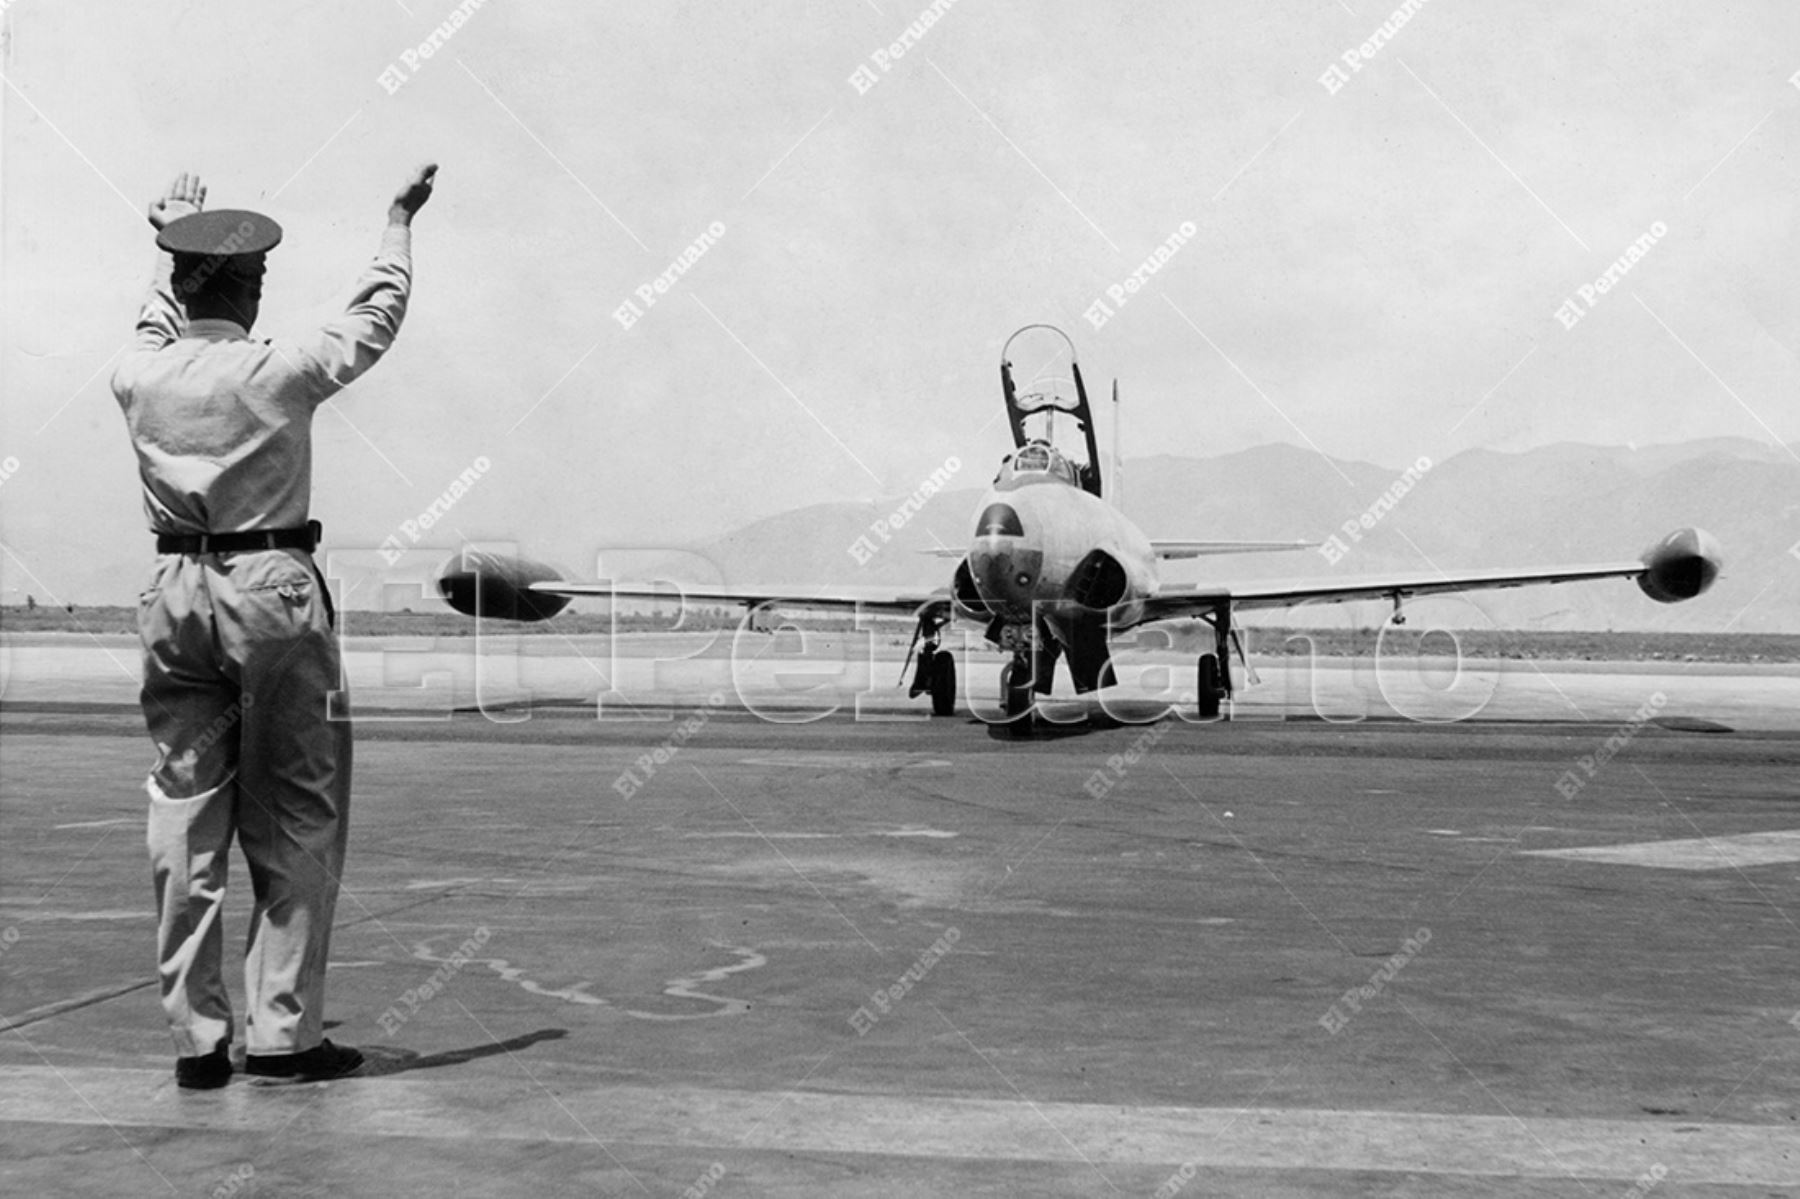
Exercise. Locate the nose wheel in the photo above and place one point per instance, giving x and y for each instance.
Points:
(1017, 694)
(1016, 691)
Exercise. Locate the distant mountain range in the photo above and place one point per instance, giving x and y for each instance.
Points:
(1556, 504)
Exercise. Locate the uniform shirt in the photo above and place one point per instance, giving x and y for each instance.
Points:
(222, 424)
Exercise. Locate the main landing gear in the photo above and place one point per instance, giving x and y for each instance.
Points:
(936, 673)
(1212, 686)
(1213, 674)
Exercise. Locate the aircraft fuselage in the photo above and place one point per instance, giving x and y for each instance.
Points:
(1048, 557)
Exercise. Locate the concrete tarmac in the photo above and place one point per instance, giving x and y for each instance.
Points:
(795, 677)
(701, 953)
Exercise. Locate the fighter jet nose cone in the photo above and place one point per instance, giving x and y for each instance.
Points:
(999, 520)
(1004, 571)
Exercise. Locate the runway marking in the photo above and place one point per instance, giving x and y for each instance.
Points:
(737, 835)
(683, 988)
(1692, 853)
(99, 823)
(431, 884)
(143, 913)
(1450, 832)
(513, 974)
(547, 887)
(925, 1126)
(45, 1011)
(855, 761)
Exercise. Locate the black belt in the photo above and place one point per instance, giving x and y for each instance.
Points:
(305, 538)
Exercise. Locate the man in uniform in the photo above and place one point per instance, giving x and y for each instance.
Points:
(240, 654)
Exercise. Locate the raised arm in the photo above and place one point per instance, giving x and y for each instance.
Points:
(353, 343)
(160, 320)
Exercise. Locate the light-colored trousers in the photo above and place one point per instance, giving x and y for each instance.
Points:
(240, 663)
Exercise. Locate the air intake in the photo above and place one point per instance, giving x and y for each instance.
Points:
(1098, 581)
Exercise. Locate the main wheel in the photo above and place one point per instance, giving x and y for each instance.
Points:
(1211, 688)
(943, 685)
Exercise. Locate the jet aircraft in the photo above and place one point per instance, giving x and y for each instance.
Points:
(1054, 571)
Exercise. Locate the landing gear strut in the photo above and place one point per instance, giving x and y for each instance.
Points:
(936, 672)
(1027, 676)
(1214, 674)
(1212, 690)
(937, 675)
(1016, 690)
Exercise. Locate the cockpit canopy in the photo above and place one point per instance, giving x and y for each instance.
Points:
(1052, 423)
(1036, 462)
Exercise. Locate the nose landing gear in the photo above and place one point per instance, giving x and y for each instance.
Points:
(1028, 675)
(1017, 692)
(1018, 696)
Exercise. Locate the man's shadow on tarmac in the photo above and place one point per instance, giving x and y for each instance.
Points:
(380, 1061)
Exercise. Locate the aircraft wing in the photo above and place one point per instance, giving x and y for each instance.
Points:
(1178, 601)
(484, 583)
(837, 599)
(1197, 549)
(1177, 549)
(478, 583)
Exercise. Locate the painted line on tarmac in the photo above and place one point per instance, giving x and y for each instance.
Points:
(828, 761)
(497, 1108)
(1692, 853)
(575, 993)
(144, 913)
(72, 1003)
(683, 988)
(733, 835)
(929, 834)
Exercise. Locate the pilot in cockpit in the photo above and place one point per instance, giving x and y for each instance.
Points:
(1039, 457)
(1035, 457)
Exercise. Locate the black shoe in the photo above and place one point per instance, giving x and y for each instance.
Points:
(323, 1061)
(205, 1072)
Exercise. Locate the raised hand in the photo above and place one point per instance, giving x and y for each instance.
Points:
(412, 194)
(185, 196)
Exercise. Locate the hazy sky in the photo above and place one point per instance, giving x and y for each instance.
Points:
(1375, 271)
